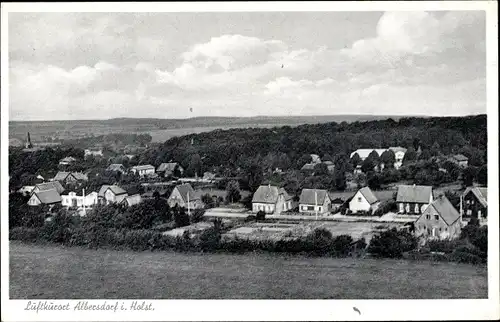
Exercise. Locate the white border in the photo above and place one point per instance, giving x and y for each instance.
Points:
(275, 310)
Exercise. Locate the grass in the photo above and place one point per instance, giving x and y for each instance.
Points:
(53, 272)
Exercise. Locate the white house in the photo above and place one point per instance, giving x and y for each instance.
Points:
(271, 199)
(314, 201)
(143, 170)
(73, 200)
(364, 200)
(399, 154)
(439, 221)
(184, 195)
(111, 194)
(93, 152)
(26, 190)
(67, 161)
(44, 197)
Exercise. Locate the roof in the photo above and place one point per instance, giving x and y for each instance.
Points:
(315, 158)
(269, 194)
(480, 193)
(312, 196)
(48, 196)
(364, 153)
(445, 209)
(115, 167)
(61, 176)
(308, 166)
(460, 157)
(79, 176)
(397, 149)
(185, 189)
(115, 189)
(368, 194)
(418, 194)
(68, 159)
(170, 166)
(133, 200)
(143, 167)
(50, 185)
(328, 162)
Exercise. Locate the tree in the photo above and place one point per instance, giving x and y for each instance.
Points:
(254, 177)
(482, 175)
(374, 180)
(194, 166)
(416, 143)
(410, 156)
(260, 216)
(388, 158)
(367, 165)
(321, 169)
(468, 175)
(360, 179)
(355, 160)
(233, 191)
(435, 149)
(181, 218)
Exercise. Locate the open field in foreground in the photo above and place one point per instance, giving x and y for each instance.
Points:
(51, 272)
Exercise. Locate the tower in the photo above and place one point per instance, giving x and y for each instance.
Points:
(28, 144)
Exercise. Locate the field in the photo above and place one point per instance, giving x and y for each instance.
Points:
(50, 272)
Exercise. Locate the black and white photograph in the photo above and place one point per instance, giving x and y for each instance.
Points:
(249, 152)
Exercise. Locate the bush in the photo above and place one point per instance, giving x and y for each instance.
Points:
(342, 245)
(385, 207)
(320, 241)
(261, 215)
(197, 215)
(392, 243)
(210, 239)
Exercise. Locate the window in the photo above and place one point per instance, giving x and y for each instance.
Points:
(468, 201)
(439, 229)
(319, 208)
(407, 207)
(428, 217)
(416, 208)
(359, 199)
(469, 212)
(401, 207)
(479, 214)
(436, 217)
(472, 202)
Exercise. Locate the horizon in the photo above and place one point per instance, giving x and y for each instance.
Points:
(243, 64)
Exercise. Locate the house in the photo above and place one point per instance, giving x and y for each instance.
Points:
(439, 221)
(364, 200)
(314, 201)
(364, 153)
(44, 197)
(460, 159)
(73, 200)
(413, 199)
(143, 170)
(93, 152)
(208, 176)
(26, 190)
(132, 200)
(184, 195)
(56, 185)
(168, 169)
(67, 161)
(111, 194)
(68, 177)
(308, 167)
(271, 200)
(315, 159)
(399, 155)
(116, 167)
(474, 204)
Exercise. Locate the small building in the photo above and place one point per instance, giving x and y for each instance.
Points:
(56, 185)
(116, 167)
(111, 194)
(336, 205)
(313, 201)
(208, 176)
(44, 197)
(67, 161)
(364, 200)
(399, 155)
(26, 190)
(93, 152)
(315, 159)
(143, 170)
(168, 169)
(73, 200)
(132, 200)
(184, 195)
(460, 160)
(413, 199)
(439, 221)
(70, 177)
(474, 204)
(271, 200)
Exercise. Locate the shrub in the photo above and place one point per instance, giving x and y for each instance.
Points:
(392, 243)
(197, 215)
(261, 215)
(342, 245)
(385, 207)
(320, 241)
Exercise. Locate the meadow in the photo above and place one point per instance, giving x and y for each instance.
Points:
(54, 272)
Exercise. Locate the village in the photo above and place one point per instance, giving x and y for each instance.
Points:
(271, 212)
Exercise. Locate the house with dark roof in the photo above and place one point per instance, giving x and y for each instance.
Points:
(70, 177)
(168, 169)
(183, 195)
(111, 194)
(132, 200)
(44, 197)
(413, 199)
(56, 185)
(271, 200)
(474, 204)
(116, 167)
(314, 201)
(439, 221)
(364, 200)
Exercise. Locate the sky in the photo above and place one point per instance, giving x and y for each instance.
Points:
(67, 66)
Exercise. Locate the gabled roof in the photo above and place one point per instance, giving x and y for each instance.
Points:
(143, 167)
(445, 209)
(364, 153)
(460, 157)
(328, 162)
(79, 176)
(61, 176)
(315, 158)
(417, 194)
(169, 166)
(133, 200)
(397, 149)
(114, 189)
(50, 185)
(313, 196)
(185, 189)
(48, 196)
(68, 159)
(480, 193)
(308, 166)
(368, 194)
(269, 194)
(116, 167)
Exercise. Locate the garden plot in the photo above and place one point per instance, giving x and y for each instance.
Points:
(268, 231)
(357, 229)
